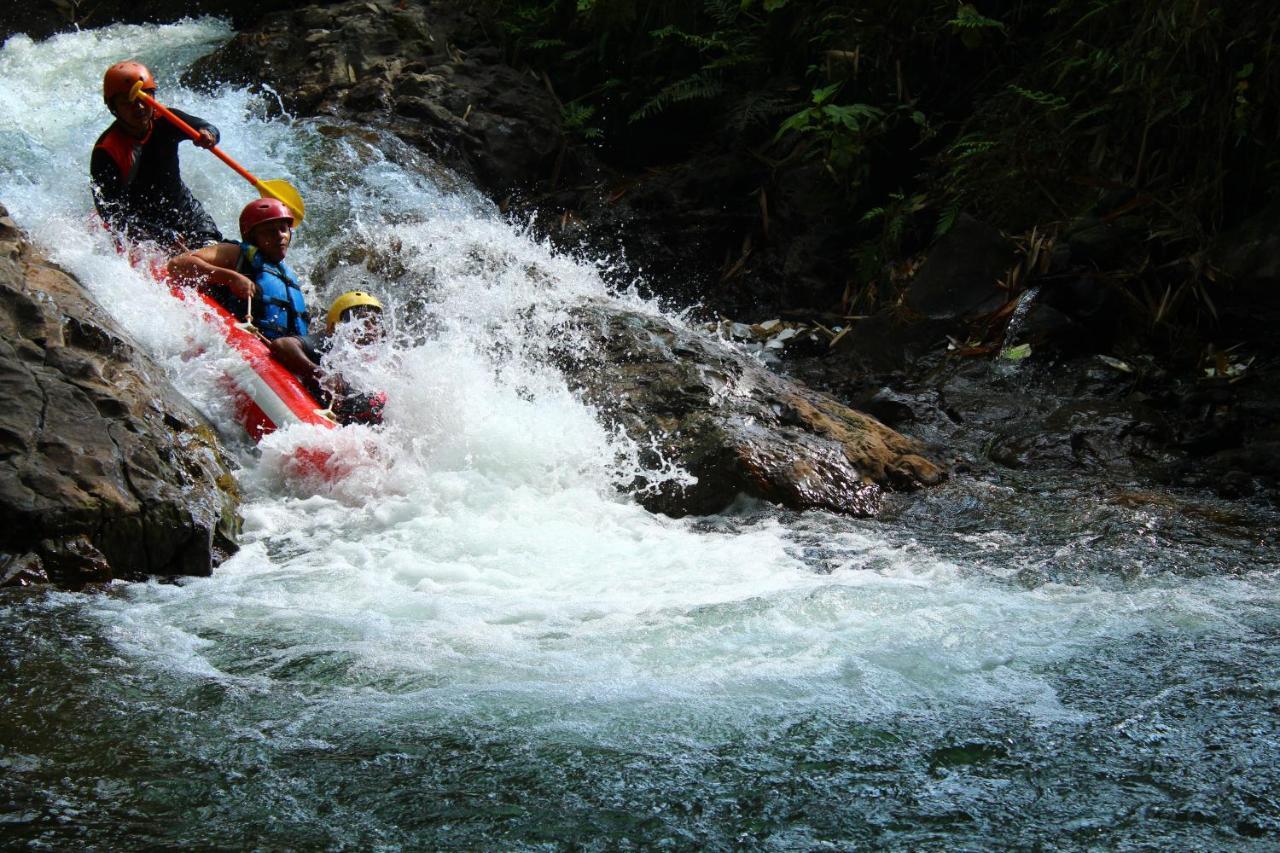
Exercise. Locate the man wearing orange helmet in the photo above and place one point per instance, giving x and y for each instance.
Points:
(137, 185)
(251, 277)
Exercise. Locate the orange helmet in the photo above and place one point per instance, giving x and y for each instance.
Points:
(262, 210)
(121, 77)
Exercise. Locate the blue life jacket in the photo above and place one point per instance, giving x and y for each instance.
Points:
(279, 308)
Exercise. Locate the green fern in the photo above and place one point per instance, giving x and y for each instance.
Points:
(703, 86)
(947, 219)
(1044, 99)
(703, 43)
(968, 18)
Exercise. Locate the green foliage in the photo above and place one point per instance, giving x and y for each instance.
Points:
(825, 117)
(577, 121)
(1023, 114)
(727, 50)
(1154, 102)
(669, 53)
(890, 224)
(972, 26)
(947, 219)
(968, 18)
(1048, 100)
(841, 130)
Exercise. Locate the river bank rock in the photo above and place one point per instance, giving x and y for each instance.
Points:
(1096, 419)
(398, 67)
(691, 401)
(105, 471)
(960, 279)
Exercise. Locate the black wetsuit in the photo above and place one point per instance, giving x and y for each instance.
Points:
(138, 188)
(316, 345)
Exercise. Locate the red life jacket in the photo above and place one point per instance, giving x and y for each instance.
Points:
(123, 149)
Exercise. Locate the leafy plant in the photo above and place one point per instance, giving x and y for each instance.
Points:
(1156, 115)
(577, 120)
(874, 256)
(972, 25)
(841, 131)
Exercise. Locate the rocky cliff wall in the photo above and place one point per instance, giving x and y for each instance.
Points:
(105, 470)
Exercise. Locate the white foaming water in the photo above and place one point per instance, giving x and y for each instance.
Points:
(477, 554)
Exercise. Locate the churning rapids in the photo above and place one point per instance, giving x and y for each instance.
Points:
(475, 641)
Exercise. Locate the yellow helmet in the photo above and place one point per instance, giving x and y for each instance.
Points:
(345, 302)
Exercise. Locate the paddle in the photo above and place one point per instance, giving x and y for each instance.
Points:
(277, 189)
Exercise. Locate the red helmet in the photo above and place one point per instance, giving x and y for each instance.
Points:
(262, 210)
(121, 78)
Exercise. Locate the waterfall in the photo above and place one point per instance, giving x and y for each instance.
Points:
(477, 594)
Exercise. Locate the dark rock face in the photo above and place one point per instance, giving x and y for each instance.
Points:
(734, 425)
(105, 471)
(959, 281)
(1249, 257)
(389, 65)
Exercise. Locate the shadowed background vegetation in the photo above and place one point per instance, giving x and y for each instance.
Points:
(1138, 132)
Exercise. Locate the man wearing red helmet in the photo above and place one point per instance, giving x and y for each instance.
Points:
(137, 186)
(251, 277)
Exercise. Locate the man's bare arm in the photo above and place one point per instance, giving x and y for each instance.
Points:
(213, 265)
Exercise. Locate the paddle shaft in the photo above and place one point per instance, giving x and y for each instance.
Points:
(195, 134)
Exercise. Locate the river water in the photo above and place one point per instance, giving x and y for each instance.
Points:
(473, 640)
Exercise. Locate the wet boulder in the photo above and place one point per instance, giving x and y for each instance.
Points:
(1250, 253)
(691, 401)
(1084, 314)
(397, 67)
(886, 342)
(958, 286)
(105, 471)
(960, 280)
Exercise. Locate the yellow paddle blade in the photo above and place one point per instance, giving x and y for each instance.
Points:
(284, 192)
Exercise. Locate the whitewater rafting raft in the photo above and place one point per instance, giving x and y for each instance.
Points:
(265, 395)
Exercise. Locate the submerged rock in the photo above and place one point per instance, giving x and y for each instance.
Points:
(105, 471)
(691, 401)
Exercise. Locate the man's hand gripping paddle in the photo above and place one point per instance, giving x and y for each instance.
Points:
(277, 189)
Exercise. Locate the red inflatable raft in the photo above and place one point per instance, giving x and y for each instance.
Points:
(267, 396)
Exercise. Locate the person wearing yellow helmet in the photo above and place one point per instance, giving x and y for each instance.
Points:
(355, 305)
(137, 186)
(355, 316)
